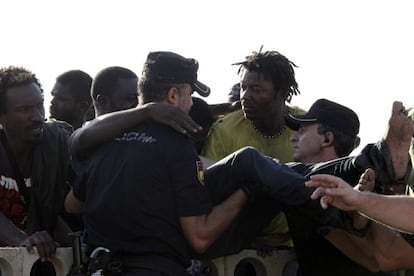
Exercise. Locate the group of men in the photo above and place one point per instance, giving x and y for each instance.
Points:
(144, 193)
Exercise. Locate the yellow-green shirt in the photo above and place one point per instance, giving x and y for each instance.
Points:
(233, 132)
(411, 179)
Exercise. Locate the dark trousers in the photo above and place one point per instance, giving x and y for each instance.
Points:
(277, 187)
(281, 187)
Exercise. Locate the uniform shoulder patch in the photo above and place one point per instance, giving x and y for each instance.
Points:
(200, 171)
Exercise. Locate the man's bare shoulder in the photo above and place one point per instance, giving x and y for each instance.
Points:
(54, 126)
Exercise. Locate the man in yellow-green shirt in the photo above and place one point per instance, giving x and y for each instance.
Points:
(267, 85)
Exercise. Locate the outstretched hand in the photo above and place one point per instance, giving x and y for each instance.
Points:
(173, 117)
(46, 246)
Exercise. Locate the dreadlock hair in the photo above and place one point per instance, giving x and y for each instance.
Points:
(150, 90)
(275, 67)
(14, 76)
(106, 81)
(79, 83)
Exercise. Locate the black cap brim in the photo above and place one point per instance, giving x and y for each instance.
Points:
(201, 88)
(294, 121)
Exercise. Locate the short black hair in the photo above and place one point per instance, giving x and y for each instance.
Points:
(343, 143)
(275, 67)
(105, 81)
(150, 90)
(13, 76)
(80, 84)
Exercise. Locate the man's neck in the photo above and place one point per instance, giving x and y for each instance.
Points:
(269, 126)
(324, 156)
(20, 149)
(76, 123)
(273, 124)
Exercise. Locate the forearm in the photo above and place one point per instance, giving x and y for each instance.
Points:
(356, 248)
(10, 235)
(398, 139)
(390, 210)
(391, 251)
(400, 160)
(202, 231)
(224, 214)
(383, 248)
(104, 128)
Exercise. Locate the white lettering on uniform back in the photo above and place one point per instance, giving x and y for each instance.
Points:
(9, 183)
(28, 182)
(136, 136)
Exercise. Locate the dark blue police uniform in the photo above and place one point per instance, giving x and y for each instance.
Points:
(135, 189)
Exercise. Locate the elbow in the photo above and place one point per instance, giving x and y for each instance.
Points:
(71, 210)
(200, 245)
(73, 205)
(388, 266)
(388, 263)
(200, 248)
(78, 142)
(374, 268)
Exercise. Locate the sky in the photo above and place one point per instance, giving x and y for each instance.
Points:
(359, 53)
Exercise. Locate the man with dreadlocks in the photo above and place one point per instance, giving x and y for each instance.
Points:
(267, 84)
(34, 162)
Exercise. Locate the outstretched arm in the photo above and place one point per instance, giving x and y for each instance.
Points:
(106, 127)
(383, 249)
(202, 231)
(395, 211)
(398, 139)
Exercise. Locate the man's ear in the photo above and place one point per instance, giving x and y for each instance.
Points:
(173, 96)
(102, 103)
(329, 137)
(357, 142)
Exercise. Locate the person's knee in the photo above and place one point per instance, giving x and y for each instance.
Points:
(247, 153)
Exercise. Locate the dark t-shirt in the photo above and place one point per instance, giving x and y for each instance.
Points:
(137, 186)
(12, 204)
